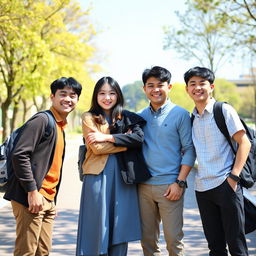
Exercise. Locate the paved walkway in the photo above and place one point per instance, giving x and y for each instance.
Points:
(64, 237)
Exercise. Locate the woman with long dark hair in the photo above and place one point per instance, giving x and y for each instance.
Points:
(109, 213)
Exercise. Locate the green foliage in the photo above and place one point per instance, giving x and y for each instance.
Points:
(179, 96)
(200, 36)
(239, 16)
(41, 41)
(134, 96)
(247, 107)
(224, 91)
(212, 32)
(45, 39)
(136, 100)
(240, 19)
(227, 91)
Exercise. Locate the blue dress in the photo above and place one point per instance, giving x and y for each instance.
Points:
(109, 211)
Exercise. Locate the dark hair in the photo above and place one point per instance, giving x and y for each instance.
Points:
(201, 72)
(66, 82)
(97, 110)
(160, 73)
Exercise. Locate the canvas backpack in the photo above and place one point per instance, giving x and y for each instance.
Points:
(6, 149)
(248, 173)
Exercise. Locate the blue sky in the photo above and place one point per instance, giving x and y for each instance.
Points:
(132, 39)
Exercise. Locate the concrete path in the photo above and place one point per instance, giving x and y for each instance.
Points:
(64, 237)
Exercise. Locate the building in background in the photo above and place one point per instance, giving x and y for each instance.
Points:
(246, 80)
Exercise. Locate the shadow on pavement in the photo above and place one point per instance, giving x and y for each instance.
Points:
(195, 243)
(7, 231)
(65, 231)
(194, 239)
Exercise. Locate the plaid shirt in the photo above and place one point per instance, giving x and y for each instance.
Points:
(214, 155)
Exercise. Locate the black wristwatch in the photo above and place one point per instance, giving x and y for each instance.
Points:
(234, 177)
(182, 183)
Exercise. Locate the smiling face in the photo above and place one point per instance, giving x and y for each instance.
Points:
(107, 98)
(64, 101)
(157, 92)
(199, 89)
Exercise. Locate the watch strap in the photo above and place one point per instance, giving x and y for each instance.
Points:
(234, 177)
(182, 183)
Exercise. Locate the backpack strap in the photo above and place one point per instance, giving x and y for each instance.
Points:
(192, 119)
(221, 123)
(51, 122)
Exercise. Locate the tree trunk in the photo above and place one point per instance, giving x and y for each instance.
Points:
(15, 114)
(44, 101)
(26, 108)
(5, 106)
(42, 106)
(254, 104)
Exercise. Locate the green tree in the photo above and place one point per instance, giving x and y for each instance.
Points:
(200, 37)
(213, 32)
(40, 41)
(134, 96)
(224, 91)
(240, 19)
(239, 15)
(179, 96)
(227, 91)
(247, 107)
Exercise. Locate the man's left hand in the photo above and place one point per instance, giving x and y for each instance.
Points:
(174, 192)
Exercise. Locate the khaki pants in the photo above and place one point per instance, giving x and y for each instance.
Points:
(33, 231)
(155, 207)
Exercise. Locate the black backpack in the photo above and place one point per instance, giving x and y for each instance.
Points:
(81, 157)
(6, 149)
(248, 174)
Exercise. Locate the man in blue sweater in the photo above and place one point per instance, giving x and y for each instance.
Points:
(169, 153)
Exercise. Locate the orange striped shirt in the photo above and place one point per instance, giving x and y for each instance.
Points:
(51, 180)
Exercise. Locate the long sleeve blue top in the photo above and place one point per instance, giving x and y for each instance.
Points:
(167, 142)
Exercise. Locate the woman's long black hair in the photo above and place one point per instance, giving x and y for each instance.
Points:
(97, 110)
